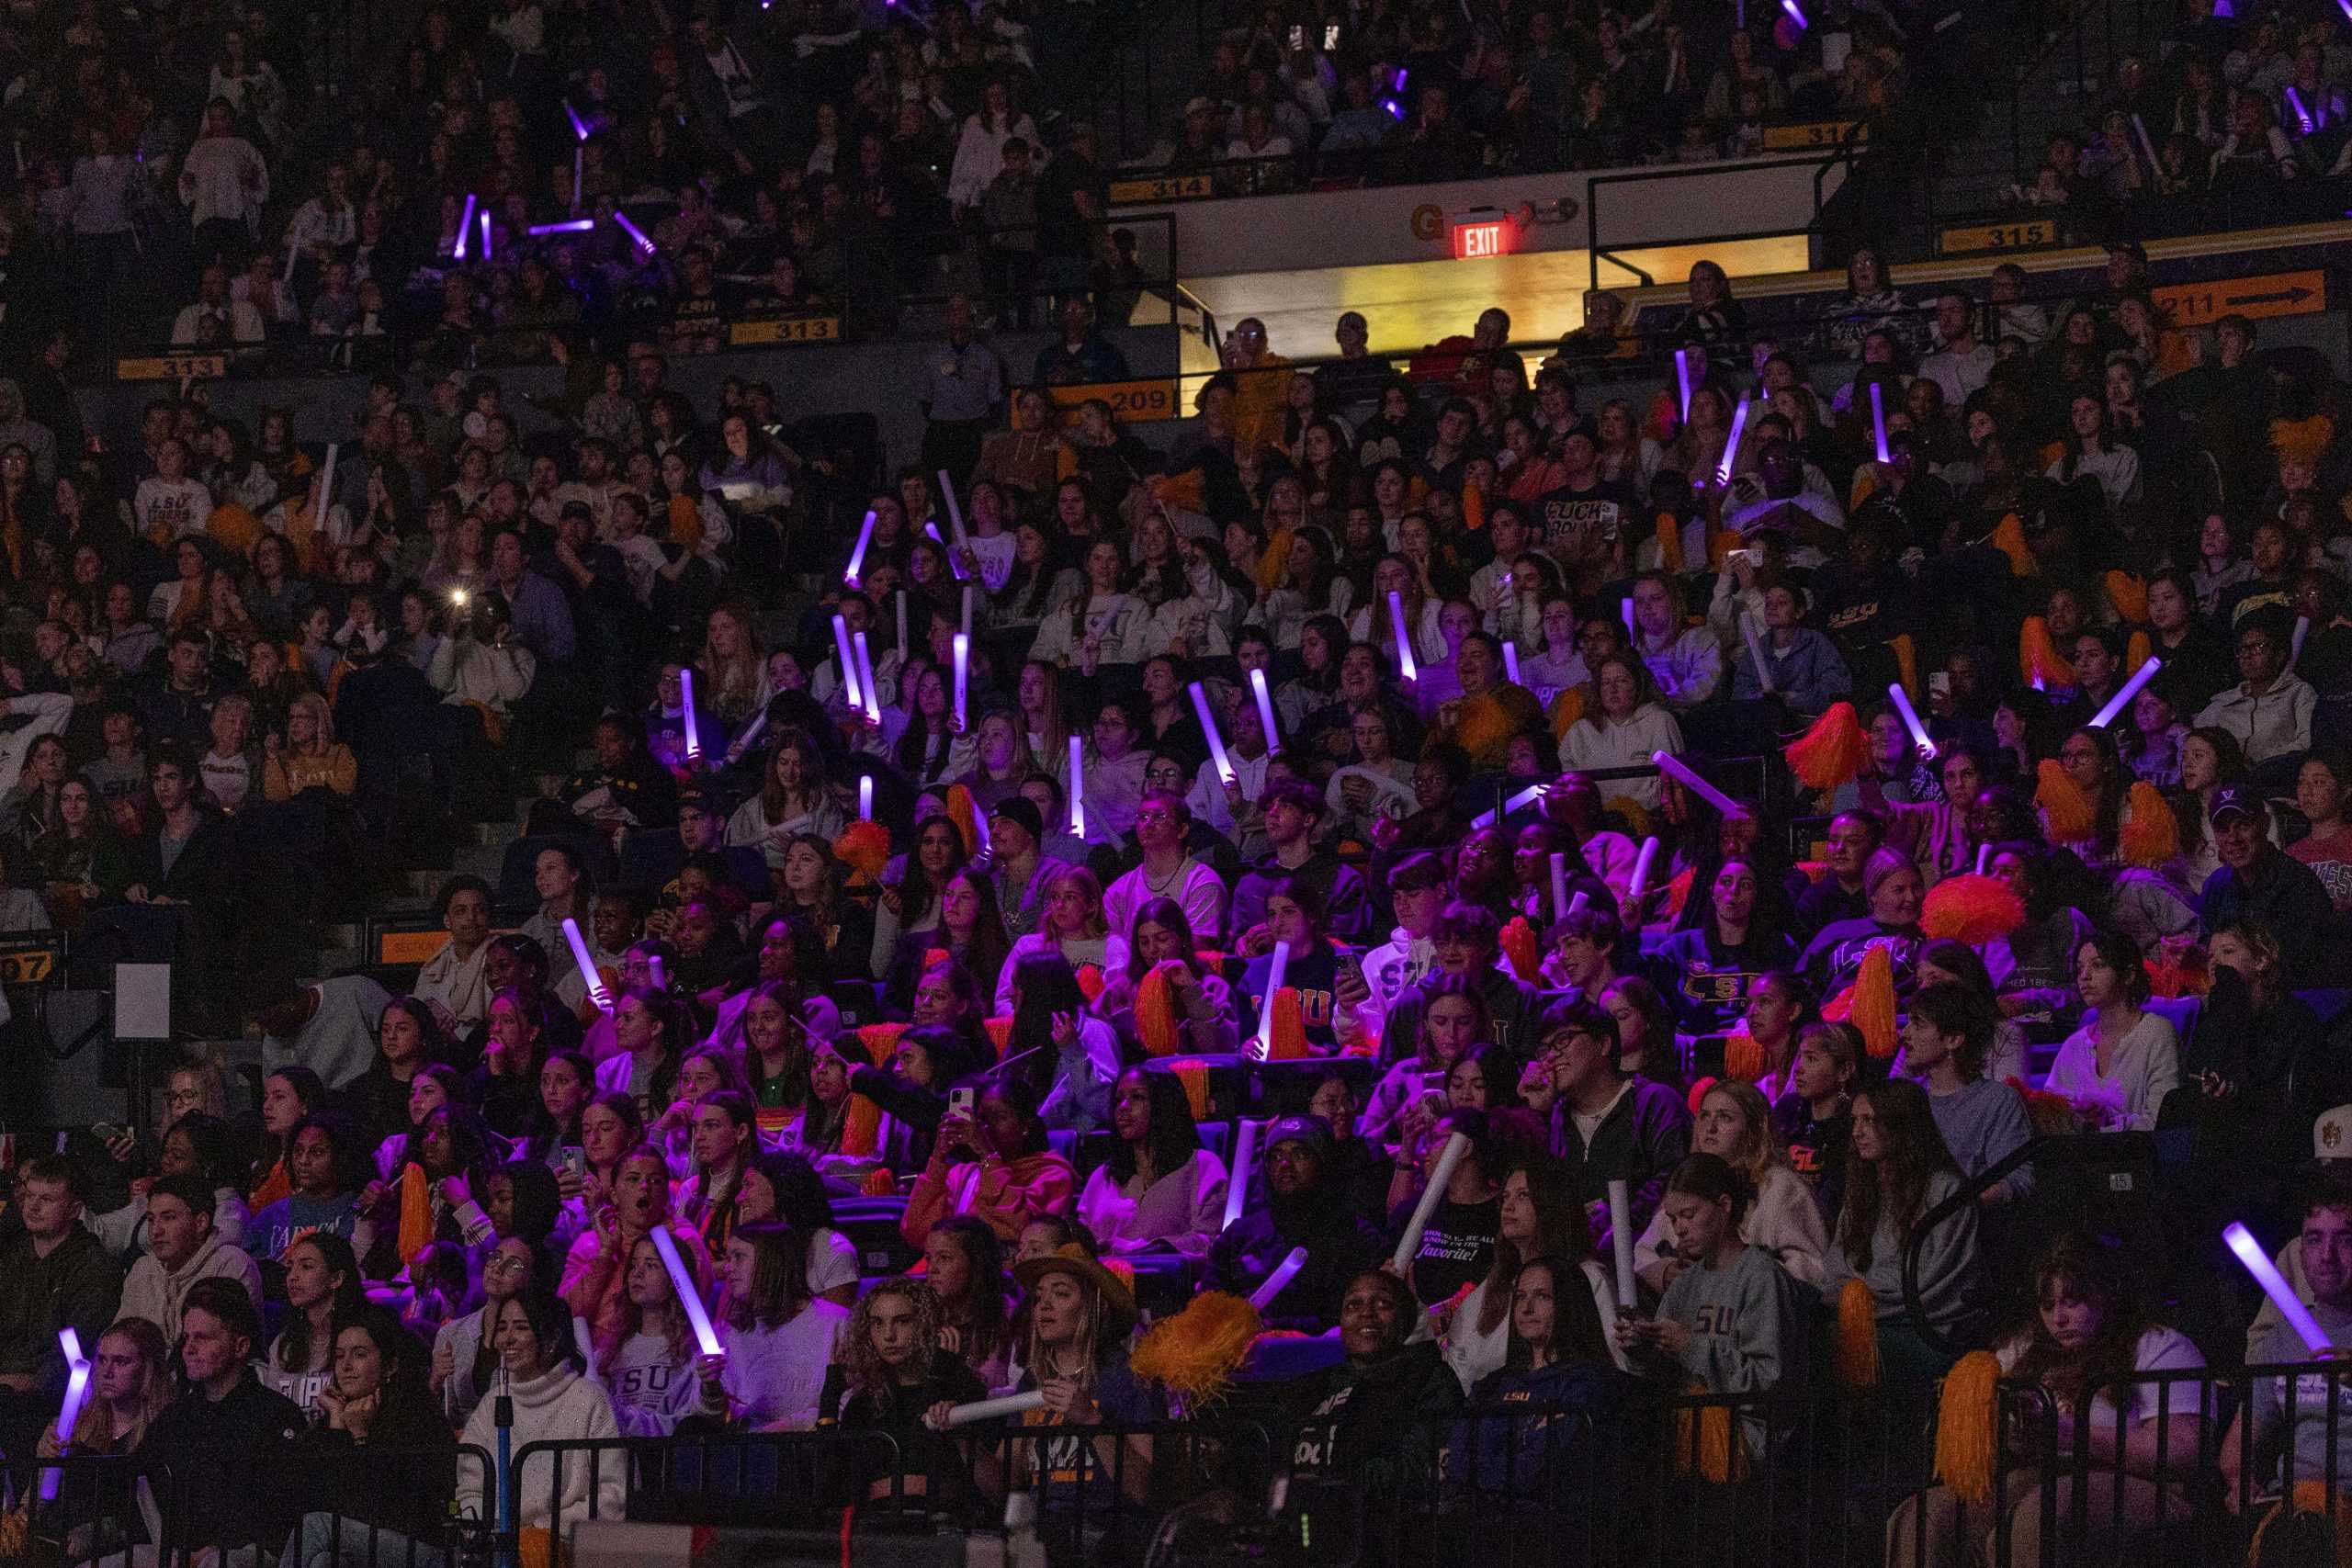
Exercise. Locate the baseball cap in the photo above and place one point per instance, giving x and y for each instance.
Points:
(1021, 812)
(2331, 1134)
(1312, 1131)
(2239, 800)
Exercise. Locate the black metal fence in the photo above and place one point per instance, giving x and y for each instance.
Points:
(2191, 1466)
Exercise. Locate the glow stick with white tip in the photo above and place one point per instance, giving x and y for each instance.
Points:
(1683, 380)
(1510, 663)
(2282, 1295)
(1641, 882)
(686, 701)
(1731, 446)
(1531, 794)
(1984, 857)
(1559, 885)
(1878, 421)
(857, 556)
(485, 237)
(1266, 1008)
(1756, 652)
(1577, 905)
(653, 967)
(1441, 1177)
(1901, 701)
(2302, 115)
(865, 798)
(597, 993)
(989, 1409)
(870, 696)
(1276, 1283)
(1265, 709)
(1668, 762)
(1078, 785)
(1620, 1241)
(963, 673)
(848, 660)
(465, 227)
(1625, 613)
(634, 233)
(2147, 146)
(69, 1414)
(982, 848)
(689, 1298)
(1208, 727)
(1237, 1181)
(954, 513)
(2125, 692)
(1405, 665)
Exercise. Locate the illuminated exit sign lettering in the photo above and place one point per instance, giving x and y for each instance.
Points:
(1480, 237)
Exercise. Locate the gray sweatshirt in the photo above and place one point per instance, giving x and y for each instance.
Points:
(1981, 1124)
(1947, 1263)
(2311, 1416)
(652, 1388)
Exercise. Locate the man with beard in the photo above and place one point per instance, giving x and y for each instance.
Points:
(1302, 1208)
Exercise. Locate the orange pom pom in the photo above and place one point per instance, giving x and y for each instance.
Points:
(2128, 594)
(1155, 1015)
(2151, 834)
(1566, 708)
(2038, 656)
(1195, 1077)
(1090, 980)
(962, 813)
(1873, 1005)
(1857, 1336)
(1289, 1041)
(881, 1039)
(1971, 910)
(1743, 1056)
(1720, 546)
(1669, 543)
(1831, 753)
(1526, 954)
(2008, 538)
(415, 1233)
(878, 1183)
(2067, 813)
(865, 848)
(1698, 1094)
(1678, 891)
(1906, 663)
(1000, 1034)
(2138, 651)
(861, 1129)
(1474, 508)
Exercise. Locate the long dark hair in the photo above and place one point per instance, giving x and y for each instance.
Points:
(801, 1201)
(990, 1323)
(1562, 1234)
(779, 1277)
(991, 944)
(1174, 1135)
(1048, 986)
(1577, 1334)
(294, 1352)
(1895, 1185)
(346, 1151)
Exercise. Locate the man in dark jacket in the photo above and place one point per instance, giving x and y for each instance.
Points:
(2258, 881)
(53, 1274)
(1609, 1124)
(1303, 1208)
(217, 1455)
(1293, 810)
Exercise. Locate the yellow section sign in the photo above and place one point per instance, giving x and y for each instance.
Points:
(1131, 402)
(2272, 294)
(1816, 133)
(171, 367)
(2021, 234)
(792, 329)
(1161, 187)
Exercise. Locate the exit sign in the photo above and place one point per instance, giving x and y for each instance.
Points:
(1480, 236)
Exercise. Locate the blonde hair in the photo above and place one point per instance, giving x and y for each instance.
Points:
(1758, 1150)
(1098, 921)
(320, 714)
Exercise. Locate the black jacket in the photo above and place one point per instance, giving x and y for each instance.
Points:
(1339, 1244)
(400, 1479)
(78, 1284)
(1639, 1141)
(220, 1470)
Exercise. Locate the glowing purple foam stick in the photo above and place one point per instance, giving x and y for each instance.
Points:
(2282, 1295)
(1668, 762)
(1731, 447)
(575, 226)
(698, 1315)
(686, 701)
(1683, 380)
(1265, 709)
(1901, 701)
(1878, 420)
(857, 556)
(69, 1414)
(465, 227)
(1208, 727)
(633, 232)
(2129, 689)
(1405, 665)
(597, 992)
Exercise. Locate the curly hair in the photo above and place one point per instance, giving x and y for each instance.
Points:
(862, 1365)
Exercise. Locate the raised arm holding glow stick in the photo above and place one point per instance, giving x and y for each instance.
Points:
(1901, 701)
(870, 696)
(1208, 727)
(1441, 1177)
(1274, 971)
(1265, 709)
(1731, 445)
(597, 992)
(69, 1414)
(2125, 692)
(698, 1315)
(1668, 762)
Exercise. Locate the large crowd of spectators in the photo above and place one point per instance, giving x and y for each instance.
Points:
(981, 839)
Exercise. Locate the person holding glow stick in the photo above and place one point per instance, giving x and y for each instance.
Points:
(1898, 1168)
(1079, 1316)
(894, 1375)
(131, 1385)
(1630, 727)
(1306, 1206)
(776, 1339)
(646, 1362)
(1159, 1190)
(2320, 1256)
(1644, 1128)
